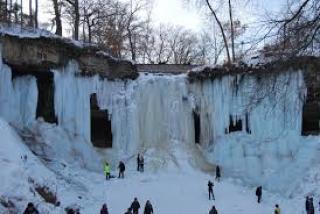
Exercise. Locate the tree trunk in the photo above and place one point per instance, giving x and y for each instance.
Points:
(222, 31)
(6, 11)
(10, 11)
(132, 48)
(232, 32)
(77, 20)
(36, 13)
(21, 13)
(57, 18)
(30, 14)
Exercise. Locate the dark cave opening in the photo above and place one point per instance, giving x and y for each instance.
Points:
(101, 131)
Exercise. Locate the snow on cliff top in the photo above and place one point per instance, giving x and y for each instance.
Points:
(29, 32)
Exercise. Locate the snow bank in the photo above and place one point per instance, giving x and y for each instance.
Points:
(21, 171)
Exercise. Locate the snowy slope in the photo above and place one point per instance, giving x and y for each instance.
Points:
(177, 189)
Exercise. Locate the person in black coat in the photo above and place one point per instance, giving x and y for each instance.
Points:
(259, 193)
(148, 209)
(138, 163)
(104, 209)
(141, 163)
(210, 190)
(307, 204)
(213, 210)
(121, 168)
(311, 206)
(135, 206)
(218, 173)
(30, 209)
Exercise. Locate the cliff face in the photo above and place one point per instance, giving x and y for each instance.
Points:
(45, 53)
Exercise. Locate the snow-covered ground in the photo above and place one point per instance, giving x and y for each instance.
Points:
(176, 188)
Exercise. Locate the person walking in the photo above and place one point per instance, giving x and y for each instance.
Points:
(148, 209)
(210, 190)
(107, 170)
(104, 209)
(259, 193)
(135, 206)
(218, 173)
(121, 168)
(213, 210)
(277, 210)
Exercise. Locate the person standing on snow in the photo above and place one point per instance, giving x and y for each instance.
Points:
(104, 209)
(277, 210)
(259, 193)
(141, 163)
(213, 210)
(218, 173)
(138, 162)
(311, 207)
(135, 206)
(30, 209)
(210, 190)
(107, 170)
(148, 209)
(121, 168)
(307, 204)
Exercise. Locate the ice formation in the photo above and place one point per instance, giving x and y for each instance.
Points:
(157, 110)
(18, 98)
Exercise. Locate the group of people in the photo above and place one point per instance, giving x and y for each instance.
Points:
(122, 167)
(133, 209)
(258, 194)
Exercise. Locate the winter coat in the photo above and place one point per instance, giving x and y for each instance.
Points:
(135, 205)
(104, 210)
(307, 204)
(121, 166)
(210, 185)
(259, 191)
(107, 169)
(213, 211)
(218, 174)
(277, 211)
(31, 211)
(148, 209)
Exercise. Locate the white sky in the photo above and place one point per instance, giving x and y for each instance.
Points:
(175, 12)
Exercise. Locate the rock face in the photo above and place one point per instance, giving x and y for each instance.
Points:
(45, 53)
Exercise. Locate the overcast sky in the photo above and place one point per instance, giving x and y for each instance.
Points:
(174, 11)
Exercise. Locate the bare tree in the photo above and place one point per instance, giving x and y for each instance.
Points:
(221, 29)
(36, 13)
(298, 30)
(57, 13)
(30, 14)
(74, 12)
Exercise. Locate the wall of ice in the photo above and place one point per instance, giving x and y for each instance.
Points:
(18, 97)
(156, 111)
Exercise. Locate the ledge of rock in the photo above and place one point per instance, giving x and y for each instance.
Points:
(40, 54)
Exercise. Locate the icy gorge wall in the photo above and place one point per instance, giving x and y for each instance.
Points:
(249, 123)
